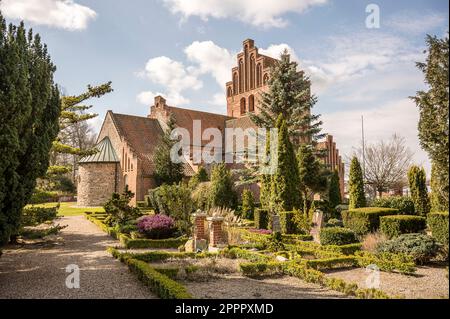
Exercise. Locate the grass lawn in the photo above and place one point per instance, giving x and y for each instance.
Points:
(71, 209)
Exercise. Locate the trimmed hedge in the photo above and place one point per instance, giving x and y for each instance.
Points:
(404, 204)
(349, 249)
(261, 219)
(160, 284)
(337, 236)
(295, 238)
(235, 252)
(287, 223)
(438, 223)
(394, 226)
(33, 216)
(388, 262)
(151, 243)
(365, 220)
(331, 263)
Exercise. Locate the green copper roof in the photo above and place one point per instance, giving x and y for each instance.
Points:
(105, 154)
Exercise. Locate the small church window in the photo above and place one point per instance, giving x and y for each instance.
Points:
(251, 103)
(266, 79)
(243, 107)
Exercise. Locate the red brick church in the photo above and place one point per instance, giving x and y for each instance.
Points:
(127, 143)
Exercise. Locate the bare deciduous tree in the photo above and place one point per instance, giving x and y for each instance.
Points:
(386, 164)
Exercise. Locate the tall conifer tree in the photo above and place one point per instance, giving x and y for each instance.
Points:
(285, 192)
(29, 111)
(433, 123)
(356, 185)
(417, 185)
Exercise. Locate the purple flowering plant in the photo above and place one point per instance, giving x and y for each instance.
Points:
(157, 226)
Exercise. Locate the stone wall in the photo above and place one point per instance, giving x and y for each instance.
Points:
(96, 183)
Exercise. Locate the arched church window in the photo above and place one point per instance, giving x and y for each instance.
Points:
(252, 71)
(229, 92)
(243, 110)
(266, 79)
(241, 76)
(258, 75)
(251, 103)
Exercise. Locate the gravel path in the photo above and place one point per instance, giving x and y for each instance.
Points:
(237, 286)
(427, 283)
(39, 271)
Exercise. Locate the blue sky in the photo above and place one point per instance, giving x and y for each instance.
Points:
(184, 49)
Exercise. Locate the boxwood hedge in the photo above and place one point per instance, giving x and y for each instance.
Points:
(394, 226)
(367, 219)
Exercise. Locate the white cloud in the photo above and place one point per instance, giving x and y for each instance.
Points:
(357, 55)
(211, 59)
(400, 116)
(275, 51)
(65, 14)
(261, 13)
(148, 98)
(219, 99)
(172, 74)
(416, 23)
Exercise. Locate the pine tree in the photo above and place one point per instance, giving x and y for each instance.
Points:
(418, 188)
(434, 119)
(356, 185)
(73, 112)
(313, 174)
(29, 111)
(289, 95)
(334, 190)
(73, 115)
(285, 195)
(166, 170)
(222, 193)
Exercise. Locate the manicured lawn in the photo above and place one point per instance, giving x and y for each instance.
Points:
(71, 209)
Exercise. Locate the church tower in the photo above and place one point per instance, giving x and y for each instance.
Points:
(249, 78)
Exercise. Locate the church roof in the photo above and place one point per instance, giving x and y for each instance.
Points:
(142, 134)
(185, 118)
(105, 154)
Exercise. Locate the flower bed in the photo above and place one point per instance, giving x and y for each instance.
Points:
(137, 243)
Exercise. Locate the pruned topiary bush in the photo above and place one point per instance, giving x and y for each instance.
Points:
(261, 219)
(337, 236)
(420, 247)
(394, 226)
(438, 224)
(404, 204)
(248, 204)
(287, 223)
(365, 220)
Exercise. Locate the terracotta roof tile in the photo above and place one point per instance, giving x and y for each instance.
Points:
(185, 118)
(142, 134)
